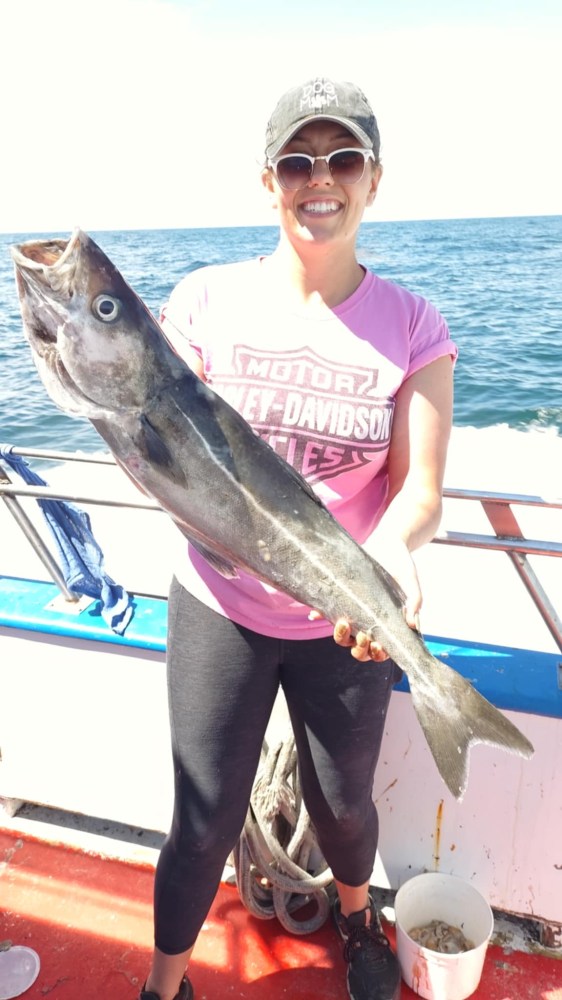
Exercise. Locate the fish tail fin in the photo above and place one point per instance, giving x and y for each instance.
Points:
(454, 716)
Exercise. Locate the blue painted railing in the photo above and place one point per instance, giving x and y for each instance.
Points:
(520, 679)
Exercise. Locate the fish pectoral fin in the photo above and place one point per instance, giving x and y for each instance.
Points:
(456, 718)
(151, 443)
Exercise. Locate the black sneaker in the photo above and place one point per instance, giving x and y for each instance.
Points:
(185, 992)
(373, 972)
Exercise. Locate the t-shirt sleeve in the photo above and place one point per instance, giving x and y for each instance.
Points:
(430, 338)
(178, 316)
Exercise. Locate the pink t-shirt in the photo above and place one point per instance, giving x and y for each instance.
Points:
(318, 385)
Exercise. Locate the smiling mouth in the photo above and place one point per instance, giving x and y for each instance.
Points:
(328, 207)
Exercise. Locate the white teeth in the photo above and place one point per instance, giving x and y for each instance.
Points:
(320, 207)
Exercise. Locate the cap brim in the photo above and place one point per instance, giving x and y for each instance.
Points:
(347, 123)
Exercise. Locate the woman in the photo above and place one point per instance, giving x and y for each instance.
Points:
(349, 377)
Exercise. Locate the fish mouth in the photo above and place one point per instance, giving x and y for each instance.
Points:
(47, 279)
(51, 263)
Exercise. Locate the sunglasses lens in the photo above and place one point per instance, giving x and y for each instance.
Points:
(347, 166)
(294, 172)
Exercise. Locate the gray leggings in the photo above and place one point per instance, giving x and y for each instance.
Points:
(222, 683)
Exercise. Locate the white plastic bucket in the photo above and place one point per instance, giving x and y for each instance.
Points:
(19, 968)
(433, 896)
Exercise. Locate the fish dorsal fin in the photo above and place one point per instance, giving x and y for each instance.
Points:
(302, 482)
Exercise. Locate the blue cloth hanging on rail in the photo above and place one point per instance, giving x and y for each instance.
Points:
(81, 558)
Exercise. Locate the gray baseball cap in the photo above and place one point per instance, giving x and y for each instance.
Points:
(322, 100)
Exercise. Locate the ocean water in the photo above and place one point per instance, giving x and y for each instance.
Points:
(497, 281)
(499, 284)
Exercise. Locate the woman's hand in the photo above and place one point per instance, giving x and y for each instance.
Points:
(396, 560)
(360, 645)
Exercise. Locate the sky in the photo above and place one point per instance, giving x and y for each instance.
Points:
(141, 114)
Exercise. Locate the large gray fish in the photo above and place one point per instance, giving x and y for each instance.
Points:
(102, 355)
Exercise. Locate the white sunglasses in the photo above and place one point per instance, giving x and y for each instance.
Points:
(346, 166)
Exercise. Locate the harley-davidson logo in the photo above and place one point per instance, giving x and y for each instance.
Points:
(324, 419)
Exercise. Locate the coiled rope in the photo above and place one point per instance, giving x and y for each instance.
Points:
(273, 857)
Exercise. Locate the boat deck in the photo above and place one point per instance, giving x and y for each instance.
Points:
(89, 918)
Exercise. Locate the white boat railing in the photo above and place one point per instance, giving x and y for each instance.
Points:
(499, 508)
(509, 538)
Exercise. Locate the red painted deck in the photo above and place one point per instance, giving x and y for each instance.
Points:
(90, 921)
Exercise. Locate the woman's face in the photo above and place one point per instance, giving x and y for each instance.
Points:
(323, 211)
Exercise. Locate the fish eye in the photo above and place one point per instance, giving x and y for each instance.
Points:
(106, 308)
